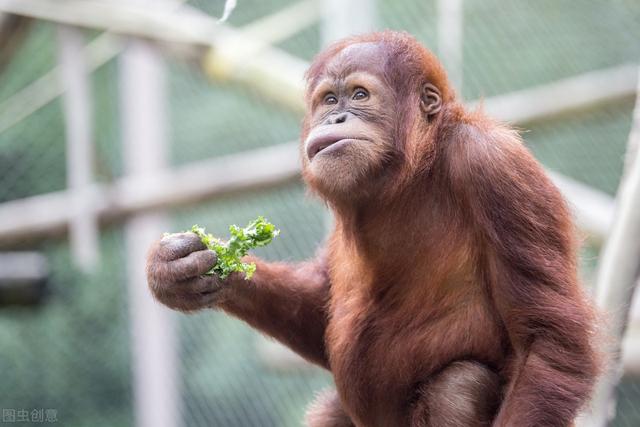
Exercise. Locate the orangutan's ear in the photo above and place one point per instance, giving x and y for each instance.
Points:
(430, 100)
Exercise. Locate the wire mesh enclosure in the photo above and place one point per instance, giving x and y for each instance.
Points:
(73, 352)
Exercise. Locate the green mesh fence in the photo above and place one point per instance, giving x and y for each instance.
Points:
(72, 353)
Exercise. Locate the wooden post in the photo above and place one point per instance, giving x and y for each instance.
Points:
(346, 18)
(154, 344)
(450, 39)
(76, 100)
(618, 272)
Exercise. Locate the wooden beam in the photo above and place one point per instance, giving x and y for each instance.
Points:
(168, 20)
(162, 22)
(154, 340)
(341, 19)
(197, 181)
(630, 349)
(247, 41)
(249, 62)
(284, 23)
(563, 96)
(49, 213)
(48, 87)
(277, 75)
(78, 115)
(451, 39)
(593, 209)
(618, 273)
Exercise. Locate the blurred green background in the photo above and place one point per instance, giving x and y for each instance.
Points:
(73, 352)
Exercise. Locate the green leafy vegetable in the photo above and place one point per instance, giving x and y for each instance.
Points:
(257, 233)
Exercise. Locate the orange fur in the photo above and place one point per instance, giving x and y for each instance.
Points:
(448, 289)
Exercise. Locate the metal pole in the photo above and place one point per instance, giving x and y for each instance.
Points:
(76, 100)
(154, 344)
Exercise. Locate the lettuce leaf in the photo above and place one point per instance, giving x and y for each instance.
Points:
(257, 233)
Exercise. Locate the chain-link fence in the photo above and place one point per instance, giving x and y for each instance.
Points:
(73, 352)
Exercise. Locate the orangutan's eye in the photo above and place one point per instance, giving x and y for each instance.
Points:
(330, 99)
(360, 94)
